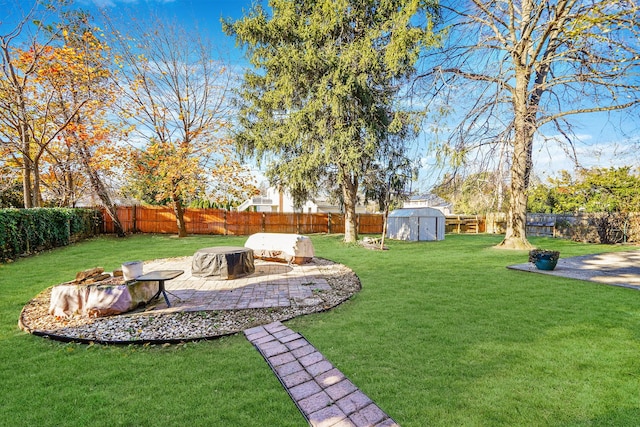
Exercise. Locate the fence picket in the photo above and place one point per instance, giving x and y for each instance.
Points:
(161, 219)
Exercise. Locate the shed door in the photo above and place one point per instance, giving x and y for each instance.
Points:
(427, 228)
(400, 229)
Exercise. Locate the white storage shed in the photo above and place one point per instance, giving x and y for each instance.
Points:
(416, 224)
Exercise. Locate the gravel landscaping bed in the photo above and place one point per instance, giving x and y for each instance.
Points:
(146, 326)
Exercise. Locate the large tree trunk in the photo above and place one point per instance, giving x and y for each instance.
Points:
(350, 196)
(385, 225)
(36, 193)
(113, 213)
(101, 191)
(26, 182)
(98, 187)
(178, 210)
(515, 236)
(524, 124)
(28, 167)
(68, 198)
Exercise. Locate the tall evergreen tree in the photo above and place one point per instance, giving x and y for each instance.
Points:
(323, 96)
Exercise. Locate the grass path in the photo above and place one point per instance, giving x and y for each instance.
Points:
(441, 334)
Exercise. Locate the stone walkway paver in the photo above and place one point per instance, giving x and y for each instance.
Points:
(322, 393)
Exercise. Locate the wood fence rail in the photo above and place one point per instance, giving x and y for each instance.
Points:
(582, 227)
(162, 220)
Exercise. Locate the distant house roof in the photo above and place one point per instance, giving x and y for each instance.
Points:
(257, 201)
(430, 199)
(282, 201)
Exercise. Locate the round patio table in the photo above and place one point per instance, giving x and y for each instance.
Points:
(227, 262)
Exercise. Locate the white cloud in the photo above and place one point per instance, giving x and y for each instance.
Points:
(554, 155)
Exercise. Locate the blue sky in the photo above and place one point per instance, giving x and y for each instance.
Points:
(600, 143)
(204, 15)
(603, 141)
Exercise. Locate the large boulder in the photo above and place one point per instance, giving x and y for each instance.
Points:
(97, 300)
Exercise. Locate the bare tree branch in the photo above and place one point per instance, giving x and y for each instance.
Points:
(550, 60)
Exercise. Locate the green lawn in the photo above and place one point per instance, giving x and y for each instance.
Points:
(441, 334)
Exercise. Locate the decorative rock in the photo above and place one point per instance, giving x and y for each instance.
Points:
(95, 279)
(308, 302)
(116, 299)
(99, 299)
(82, 275)
(67, 300)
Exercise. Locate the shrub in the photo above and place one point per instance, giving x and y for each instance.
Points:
(536, 254)
(610, 226)
(26, 231)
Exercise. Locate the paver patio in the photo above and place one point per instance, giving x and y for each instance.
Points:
(613, 268)
(271, 285)
(322, 393)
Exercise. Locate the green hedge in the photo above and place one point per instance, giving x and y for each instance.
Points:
(25, 231)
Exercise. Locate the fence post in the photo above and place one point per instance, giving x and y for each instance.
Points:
(329, 223)
(264, 220)
(134, 218)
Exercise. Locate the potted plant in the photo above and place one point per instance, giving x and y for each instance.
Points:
(544, 259)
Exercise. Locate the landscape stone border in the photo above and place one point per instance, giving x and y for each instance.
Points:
(152, 325)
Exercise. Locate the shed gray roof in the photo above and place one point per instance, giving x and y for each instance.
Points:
(415, 212)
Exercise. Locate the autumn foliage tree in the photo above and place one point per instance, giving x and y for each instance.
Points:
(94, 132)
(176, 95)
(79, 77)
(26, 111)
(58, 93)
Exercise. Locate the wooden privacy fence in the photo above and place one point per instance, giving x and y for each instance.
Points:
(582, 227)
(464, 224)
(162, 220)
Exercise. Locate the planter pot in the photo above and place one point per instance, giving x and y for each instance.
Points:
(544, 263)
(132, 269)
(544, 259)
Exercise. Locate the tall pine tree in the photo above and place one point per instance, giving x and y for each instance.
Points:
(323, 95)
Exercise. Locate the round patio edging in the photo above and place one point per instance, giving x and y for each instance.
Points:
(161, 327)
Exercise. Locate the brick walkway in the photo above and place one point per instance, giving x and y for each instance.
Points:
(322, 393)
